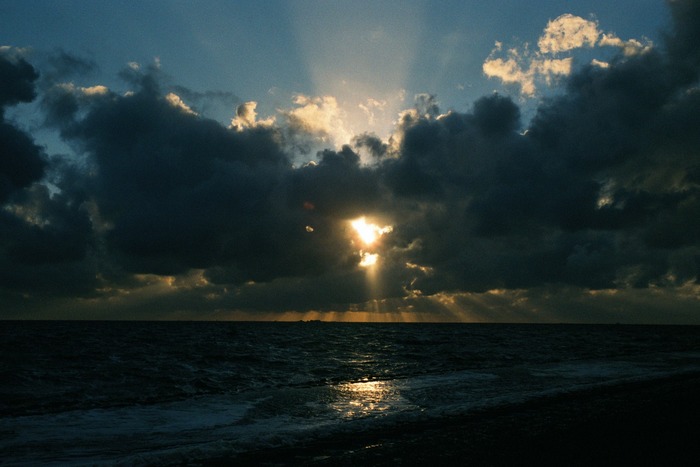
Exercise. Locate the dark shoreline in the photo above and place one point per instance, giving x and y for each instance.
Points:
(648, 423)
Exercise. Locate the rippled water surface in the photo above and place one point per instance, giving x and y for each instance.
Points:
(163, 392)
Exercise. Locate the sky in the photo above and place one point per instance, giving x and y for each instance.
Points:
(353, 161)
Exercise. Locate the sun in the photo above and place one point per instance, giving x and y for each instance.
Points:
(368, 259)
(369, 233)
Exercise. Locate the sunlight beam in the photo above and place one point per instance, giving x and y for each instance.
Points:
(360, 54)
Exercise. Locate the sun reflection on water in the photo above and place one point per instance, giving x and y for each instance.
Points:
(365, 398)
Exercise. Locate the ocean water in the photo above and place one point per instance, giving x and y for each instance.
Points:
(159, 393)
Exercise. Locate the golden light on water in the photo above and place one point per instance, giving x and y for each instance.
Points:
(363, 398)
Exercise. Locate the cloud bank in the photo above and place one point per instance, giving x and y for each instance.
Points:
(589, 212)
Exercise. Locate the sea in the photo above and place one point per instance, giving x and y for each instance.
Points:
(164, 393)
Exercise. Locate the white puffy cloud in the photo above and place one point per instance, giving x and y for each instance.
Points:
(629, 47)
(175, 100)
(550, 68)
(247, 117)
(320, 116)
(70, 88)
(510, 72)
(565, 34)
(524, 70)
(568, 32)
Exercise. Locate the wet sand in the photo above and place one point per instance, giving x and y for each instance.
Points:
(642, 424)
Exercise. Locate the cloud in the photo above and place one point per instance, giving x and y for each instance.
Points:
(629, 47)
(247, 117)
(176, 191)
(593, 202)
(206, 101)
(525, 70)
(314, 123)
(17, 78)
(320, 117)
(172, 98)
(61, 101)
(337, 185)
(44, 238)
(376, 147)
(584, 197)
(566, 33)
(22, 162)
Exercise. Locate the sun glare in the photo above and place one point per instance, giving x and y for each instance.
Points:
(368, 259)
(369, 233)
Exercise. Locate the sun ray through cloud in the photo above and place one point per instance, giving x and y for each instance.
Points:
(363, 61)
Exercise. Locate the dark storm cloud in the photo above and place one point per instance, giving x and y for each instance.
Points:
(17, 79)
(21, 160)
(43, 238)
(601, 190)
(683, 42)
(337, 186)
(179, 191)
(45, 241)
(373, 143)
(60, 68)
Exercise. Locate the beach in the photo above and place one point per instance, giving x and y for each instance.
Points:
(639, 423)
